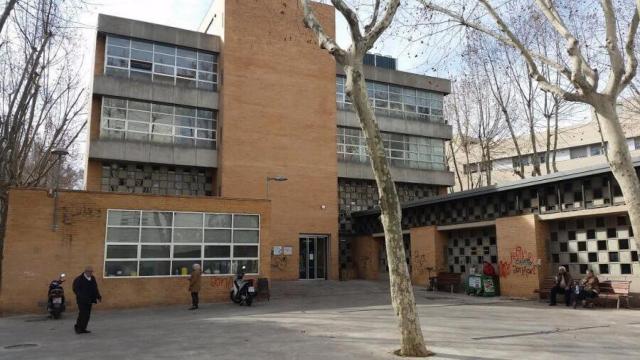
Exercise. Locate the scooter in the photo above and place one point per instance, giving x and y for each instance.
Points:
(242, 291)
(55, 297)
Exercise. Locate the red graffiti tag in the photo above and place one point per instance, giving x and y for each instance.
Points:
(521, 262)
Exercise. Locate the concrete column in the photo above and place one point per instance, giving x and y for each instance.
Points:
(427, 251)
(366, 250)
(522, 254)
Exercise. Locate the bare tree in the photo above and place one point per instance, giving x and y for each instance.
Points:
(42, 100)
(402, 297)
(581, 74)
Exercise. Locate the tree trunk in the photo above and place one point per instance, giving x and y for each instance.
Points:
(455, 165)
(402, 297)
(620, 160)
(555, 138)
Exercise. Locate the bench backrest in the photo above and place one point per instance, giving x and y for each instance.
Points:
(547, 283)
(620, 287)
(445, 277)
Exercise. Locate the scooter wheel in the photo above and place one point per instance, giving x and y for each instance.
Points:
(249, 301)
(233, 298)
(56, 315)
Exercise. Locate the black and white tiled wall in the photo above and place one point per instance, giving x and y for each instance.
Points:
(603, 244)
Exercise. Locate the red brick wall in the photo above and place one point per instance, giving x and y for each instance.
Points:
(366, 252)
(521, 248)
(427, 251)
(278, 117)
(34, 254)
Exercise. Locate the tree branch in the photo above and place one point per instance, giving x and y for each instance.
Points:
(629, 49)
(579, 64)
(611, 43)
(351, 17)
(324, 41)
(374, 18)
(372, 35)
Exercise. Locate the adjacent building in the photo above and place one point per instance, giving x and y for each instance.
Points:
(576, 146)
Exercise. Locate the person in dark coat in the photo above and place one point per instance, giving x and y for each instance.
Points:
(562, 286)
(86, 289)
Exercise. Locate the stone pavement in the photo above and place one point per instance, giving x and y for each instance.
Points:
(330, 320)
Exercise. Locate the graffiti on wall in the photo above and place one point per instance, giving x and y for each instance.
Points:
(521, 263)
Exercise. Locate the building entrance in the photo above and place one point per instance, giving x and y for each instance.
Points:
(313, 256)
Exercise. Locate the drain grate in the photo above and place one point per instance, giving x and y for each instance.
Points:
(20, 346)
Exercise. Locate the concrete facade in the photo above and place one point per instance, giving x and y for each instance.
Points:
(156, 32)
(354, 170)
(34, 255)
(400, 126)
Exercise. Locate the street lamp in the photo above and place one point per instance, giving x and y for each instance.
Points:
(58, 153)
(274, 178)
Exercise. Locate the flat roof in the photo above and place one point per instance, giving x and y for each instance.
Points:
(519, 184)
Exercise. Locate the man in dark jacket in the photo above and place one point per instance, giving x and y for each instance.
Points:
(562, 286)
(86, 289)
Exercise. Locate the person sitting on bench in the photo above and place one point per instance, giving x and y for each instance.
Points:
(589, 289)
(562, 286)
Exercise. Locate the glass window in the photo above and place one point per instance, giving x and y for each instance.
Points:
(578, 152)
(217, 236)
(171, 242)
(123, 218)
(139, 113)
(145, 60)
(217, 267)
(122, 251)
(400, 100)
(121, 268)
(155, 268)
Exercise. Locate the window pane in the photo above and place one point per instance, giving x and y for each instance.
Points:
(187, 63)
(188, 220)
(217, 267)
(142, 45)
(116, 40)
(128, 218)
(155, 235)
(246, 221)
(245, 251)
(218, 220)
(183, 267)
(121, 268)
(156, 218)
(217, 236)
(164, 49)
(154, 268)
(138, 115)
(155, 251)
(245, 236)
(185, 121)
(117, 51)
(122, 251)
(187, 251)
(188, 53)
(251, 266)
(218, 251)
(122, 235)
(187, 235)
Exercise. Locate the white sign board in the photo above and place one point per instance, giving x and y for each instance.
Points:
(288, 250)
(277, 250)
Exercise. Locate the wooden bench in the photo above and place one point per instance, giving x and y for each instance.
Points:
(545, 287)
(614, 289)
(448, 281)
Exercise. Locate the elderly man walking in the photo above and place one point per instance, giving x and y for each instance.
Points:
(195, 282)
(86, 289)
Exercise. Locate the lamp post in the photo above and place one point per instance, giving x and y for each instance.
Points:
(274, 178)
(58, 153)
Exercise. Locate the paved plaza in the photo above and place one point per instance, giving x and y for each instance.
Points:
(330, 320)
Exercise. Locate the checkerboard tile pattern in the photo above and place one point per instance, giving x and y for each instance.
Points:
(602, 244)
(470, 248)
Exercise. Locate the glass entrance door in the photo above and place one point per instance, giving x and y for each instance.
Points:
(313, 256)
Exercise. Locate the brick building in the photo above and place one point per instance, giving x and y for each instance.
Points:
(190, 136)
